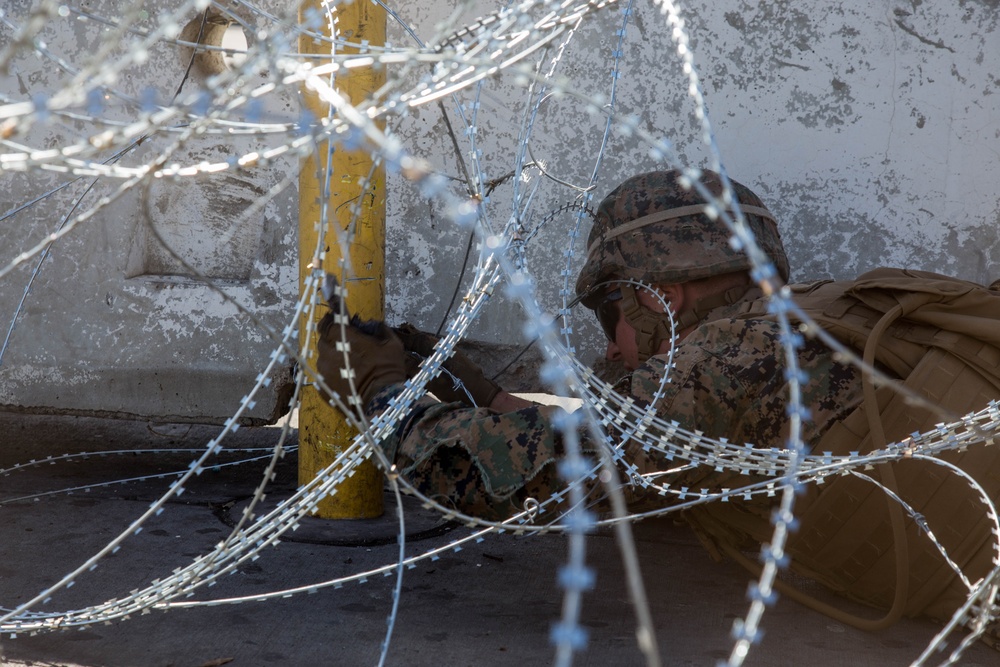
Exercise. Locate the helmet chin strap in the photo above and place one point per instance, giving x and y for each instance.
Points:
(652, 328)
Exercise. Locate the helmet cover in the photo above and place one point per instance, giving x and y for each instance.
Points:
(650, 228)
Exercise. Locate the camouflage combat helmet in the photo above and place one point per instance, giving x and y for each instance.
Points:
(651, 229)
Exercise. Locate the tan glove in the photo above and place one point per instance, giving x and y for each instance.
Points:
(481, 388)
(376, 356)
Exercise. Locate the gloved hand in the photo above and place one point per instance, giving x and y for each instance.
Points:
(482, 389)
(376, 355)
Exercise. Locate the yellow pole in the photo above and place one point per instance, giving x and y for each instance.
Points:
(323, 431)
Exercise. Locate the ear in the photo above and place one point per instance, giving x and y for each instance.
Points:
(672, 293)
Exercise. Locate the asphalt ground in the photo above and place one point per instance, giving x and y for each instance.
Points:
(491, 603)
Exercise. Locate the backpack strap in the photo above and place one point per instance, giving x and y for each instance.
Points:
(879, 441)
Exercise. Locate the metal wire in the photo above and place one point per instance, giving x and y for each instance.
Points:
(527, 42)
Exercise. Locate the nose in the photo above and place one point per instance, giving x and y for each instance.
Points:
(613, 353)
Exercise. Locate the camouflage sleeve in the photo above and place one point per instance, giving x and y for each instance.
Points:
(474, 459)
(710, 387)
(729, 380)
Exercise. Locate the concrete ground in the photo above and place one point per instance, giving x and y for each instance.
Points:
(492, 603)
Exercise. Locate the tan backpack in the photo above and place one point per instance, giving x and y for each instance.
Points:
(941, 337)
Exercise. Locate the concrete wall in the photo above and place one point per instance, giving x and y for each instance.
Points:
(870, 129)
(114, 323)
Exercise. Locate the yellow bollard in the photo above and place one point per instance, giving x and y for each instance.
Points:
(323, 431)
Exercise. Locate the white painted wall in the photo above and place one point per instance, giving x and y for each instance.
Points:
(870, 128)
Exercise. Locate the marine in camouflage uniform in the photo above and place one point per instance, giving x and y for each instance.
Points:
(728, 380)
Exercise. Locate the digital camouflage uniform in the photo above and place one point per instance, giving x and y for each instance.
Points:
(728, 380)
(473, 459)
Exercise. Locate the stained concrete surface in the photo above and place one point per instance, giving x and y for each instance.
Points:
(492, 603)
